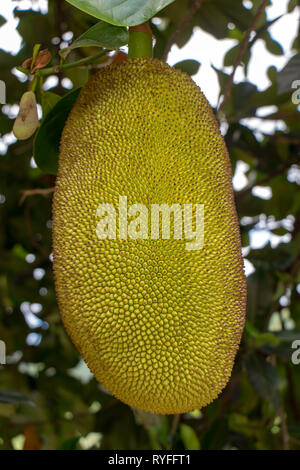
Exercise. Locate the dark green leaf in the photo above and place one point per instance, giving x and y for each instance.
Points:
(292, 5)
(125, 13)
(273, 46)
(231, 56)
(100, 35)
(190, 67)
(69, 444)
(2, 21)
(289, 74)
(49, 100)
(263, 377)
(47, 140)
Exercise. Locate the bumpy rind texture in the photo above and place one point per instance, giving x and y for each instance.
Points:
(158, 325)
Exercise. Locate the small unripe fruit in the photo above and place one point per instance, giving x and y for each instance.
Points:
(27, 120)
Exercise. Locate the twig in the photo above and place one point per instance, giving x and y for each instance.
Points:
(181, 26)
(32, 192)
(241, 52)
(60, 68)
(240, 194)
(284, 430)
(174, 426)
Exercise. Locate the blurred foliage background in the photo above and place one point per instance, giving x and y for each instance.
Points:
(48, 398)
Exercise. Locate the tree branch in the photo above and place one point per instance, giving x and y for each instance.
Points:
(181, 26)
(59, 68)
(31, 192)
(241, 52)
(173, 430)
(240, 194)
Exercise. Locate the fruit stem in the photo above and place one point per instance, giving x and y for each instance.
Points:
(59, 68)
(140, 41)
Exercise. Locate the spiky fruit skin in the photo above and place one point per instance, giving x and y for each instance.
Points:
(158, 325)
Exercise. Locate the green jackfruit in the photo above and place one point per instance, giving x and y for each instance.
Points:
(158, 318)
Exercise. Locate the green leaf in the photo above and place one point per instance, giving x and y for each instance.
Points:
(100, 35)
(2, 21)
(261, 337)
(121, 13)
(47, 140)
(292, 5)
(189, 437)
(288, 74)
(241, 93)
(36, 49)
(49, 100)
(188, 66)
(263, 377)
(13, 396)
(273, 46)
(69, 444)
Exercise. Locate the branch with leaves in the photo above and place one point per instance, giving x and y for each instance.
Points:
(241, 52)
(181, 26)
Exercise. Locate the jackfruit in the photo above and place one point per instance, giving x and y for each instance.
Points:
(27, 120)
(158, 324)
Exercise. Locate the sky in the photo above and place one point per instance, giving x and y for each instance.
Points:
(209, 51)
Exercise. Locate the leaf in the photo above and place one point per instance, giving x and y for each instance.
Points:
(69, 444)
(2, 21)
(222, 77)
(37, 62)
(188, 66)
(100, 35)
(13, 396)
(47, 140)
(292, 5)
(273, 46)
(261, 337)
(263, 377)
(241, 94)
(230, 56)
(49, 100)
(288, 74)
(35, 53)
(189, 437)
(121, 13)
